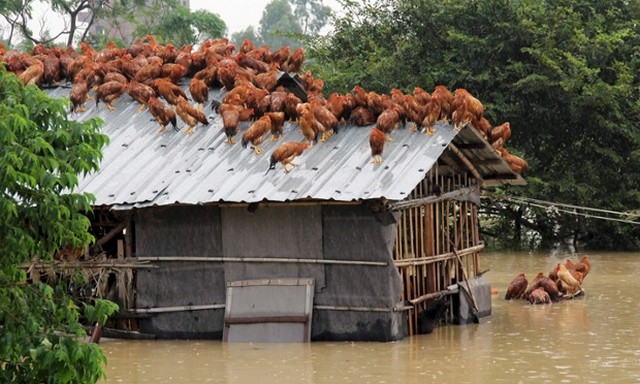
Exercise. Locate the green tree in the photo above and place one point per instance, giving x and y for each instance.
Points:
(249, 33)
(12, 12)
(172, 23)
(563, 73)
(42, 153)
(278, 25)
(312, 15)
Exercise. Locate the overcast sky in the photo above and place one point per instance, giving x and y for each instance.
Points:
(237, 14)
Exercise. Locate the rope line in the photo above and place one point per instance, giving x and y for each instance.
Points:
(572, 209)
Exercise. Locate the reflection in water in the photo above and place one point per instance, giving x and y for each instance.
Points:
(593, 339)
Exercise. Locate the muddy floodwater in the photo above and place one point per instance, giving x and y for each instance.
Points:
(593, 339)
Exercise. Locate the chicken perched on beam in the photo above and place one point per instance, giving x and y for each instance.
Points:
(190, 115)
(162, 113)
(464, 109)
(256, 133)
(286, 153)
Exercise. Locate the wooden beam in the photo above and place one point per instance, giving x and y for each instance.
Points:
(404, 204)
(470, 167)
(261, 260)
(265, 319)
(104, 239)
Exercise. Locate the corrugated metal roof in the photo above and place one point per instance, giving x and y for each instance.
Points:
(144, 167)
(493, 168)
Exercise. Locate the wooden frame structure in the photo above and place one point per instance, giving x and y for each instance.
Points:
(438, 239)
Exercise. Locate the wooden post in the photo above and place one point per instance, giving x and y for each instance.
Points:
(96, 334)
(128, 238)
(120, 251)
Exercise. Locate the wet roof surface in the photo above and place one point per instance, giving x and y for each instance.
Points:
(144, 167)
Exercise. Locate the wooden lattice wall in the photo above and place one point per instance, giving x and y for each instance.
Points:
(437, 242)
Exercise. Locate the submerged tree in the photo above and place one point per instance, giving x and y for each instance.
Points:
(42, 153)
(564, 74)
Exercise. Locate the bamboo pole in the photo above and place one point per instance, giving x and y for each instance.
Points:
(433, 295)
(104, 239)
(226, 259)
(361, 309)
(179, 308)
(466, 162)
(85, 265)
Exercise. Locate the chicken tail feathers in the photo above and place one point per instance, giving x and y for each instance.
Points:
(244, 142)
(272, 164)
(215, 105)
(174, 123)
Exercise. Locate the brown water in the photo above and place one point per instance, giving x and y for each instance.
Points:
(593, 339)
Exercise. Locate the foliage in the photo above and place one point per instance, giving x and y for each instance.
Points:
(286, 22)
(13, 11)
(311, 15)
(563, 73)
(42, 153)
(249, 33)
(167, 19)
(172, 23)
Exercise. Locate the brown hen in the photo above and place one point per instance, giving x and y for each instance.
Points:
(286, 153)
(376, 142)
(190, 115)
(162, 113)
(256, 133)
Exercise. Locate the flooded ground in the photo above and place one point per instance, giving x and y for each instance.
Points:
(593, 339)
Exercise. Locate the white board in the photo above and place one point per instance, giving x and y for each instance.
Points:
(269, 310)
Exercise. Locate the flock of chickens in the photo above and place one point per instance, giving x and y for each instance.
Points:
(564, 281)
(151, 74)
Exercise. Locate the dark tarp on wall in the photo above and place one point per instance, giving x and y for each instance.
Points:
(340, 232)
(273, 232)
(180, 231)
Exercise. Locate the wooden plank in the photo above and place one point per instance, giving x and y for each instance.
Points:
(269, 310)
(265, 319)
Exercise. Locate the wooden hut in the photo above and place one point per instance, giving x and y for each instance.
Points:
(378, 240)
